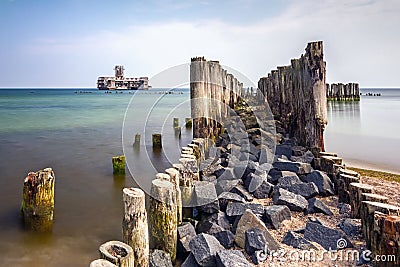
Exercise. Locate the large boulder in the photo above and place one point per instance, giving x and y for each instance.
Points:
(295, 240)
(297, 167)
(288, 179)
(206, 197)
(292, 201)
(328, 238)
(250, 220)
(351, 227)
(276, 214)
(159, 258)
(307, 190)
(322, 181)
(228, 197)
(204, 247)
(225, 238)
(226, 185)
(231, 258)
(317, 206)
(241, 191)
(190, 261)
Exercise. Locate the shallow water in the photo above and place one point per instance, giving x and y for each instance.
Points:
(76, 135)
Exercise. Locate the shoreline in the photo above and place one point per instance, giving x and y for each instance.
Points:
(376, 167)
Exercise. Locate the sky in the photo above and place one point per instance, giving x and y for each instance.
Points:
(69, 43)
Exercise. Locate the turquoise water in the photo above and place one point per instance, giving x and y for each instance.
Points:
(366, 133)
(76, 134)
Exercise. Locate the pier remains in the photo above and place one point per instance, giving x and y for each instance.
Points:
(120, 82)
(342, 92)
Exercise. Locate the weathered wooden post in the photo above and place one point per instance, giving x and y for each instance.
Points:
(157, 141)
(178, 131)
(101, 263)
(175, 180)
(38, 200)
(188, 122)
(176, 122)
(134, 225)
(163, 217)
(118, 253)
(355, 191)
(118, 164)
(137, 140)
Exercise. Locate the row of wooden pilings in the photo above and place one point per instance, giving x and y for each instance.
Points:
(171, 198)
(380, 220)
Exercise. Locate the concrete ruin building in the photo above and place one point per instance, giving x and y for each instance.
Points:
(120, 82)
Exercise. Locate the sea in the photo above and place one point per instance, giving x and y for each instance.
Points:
(77, 132)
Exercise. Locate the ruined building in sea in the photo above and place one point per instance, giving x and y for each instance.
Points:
(120, 82)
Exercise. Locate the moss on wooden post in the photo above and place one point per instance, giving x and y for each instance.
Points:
(101, 263)
(188, 122)
(163, 217)
(178, 131)
(134, 225)
(175, 180)
(117, 253)
(38, 200)
(118, 164)
(176, 122)
(157, 141)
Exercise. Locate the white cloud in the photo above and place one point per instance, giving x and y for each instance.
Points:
(361, 44)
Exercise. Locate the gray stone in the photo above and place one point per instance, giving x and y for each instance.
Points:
(225, 238)
(159, 258)
(307, 190)
(190, 261)
(228, 197)
(351, 227)
(297, 167)
(274, 175)
(264, 190)
(276, 214)
(250, 220)
(298, 150)
(288, 179)
(285, 150)
(317, 206)
(344, 209)
(259, 256)
(208, 227)
(293, 201)
(254, 240)
(237, 209)
(295, 240)
(308, 157)
(231, 258)
(226, 185)
(186, 232)
(206, 197)
(228, 174)
(327, 237)
(322, 181)
(241, 191)
(204, 247)
(241, 170)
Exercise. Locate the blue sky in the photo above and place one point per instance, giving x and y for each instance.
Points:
(47, 43)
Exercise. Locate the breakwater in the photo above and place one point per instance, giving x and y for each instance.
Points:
(343, 92)
(296, 95)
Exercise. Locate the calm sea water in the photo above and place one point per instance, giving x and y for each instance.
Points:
(77, 134)
(366, 133)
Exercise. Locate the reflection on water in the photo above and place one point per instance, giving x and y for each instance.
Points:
(365, 133)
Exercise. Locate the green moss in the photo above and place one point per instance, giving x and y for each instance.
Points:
(118, 165)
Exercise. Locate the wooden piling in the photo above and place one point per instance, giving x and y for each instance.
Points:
(38, 200)
(157, 141)
(118, 164)
(175, 180)
(188, 122)
(137, 140)
(163, 217)
(134, 225)
(178, 131)
(176, 122)
(117, 253)
(355, 191)
(101, 263)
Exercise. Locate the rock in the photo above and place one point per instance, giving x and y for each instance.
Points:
(186, 232)
(204, 247)
(241, 170)
(190, 261)
(264, 190)
(227, 174)
(241, 191)
(285, 150)
(295, 240)
(345, 209)
(209, 178)
(322, 181)
(227, 197)
(231, 258)
(351, 227)
(250, 220)
(237, 209)
(254, 240)
(296, 167)
(259, 256)
(206, 197)
(307, 190)
(328, 238)
(276, 214)
(225, 238)
(298, 150)
(292, 201)
(317, 206)
(288, 179)
(208, 227)
(159, 258)
(274, 175)
(226, 185)
(219, 218)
